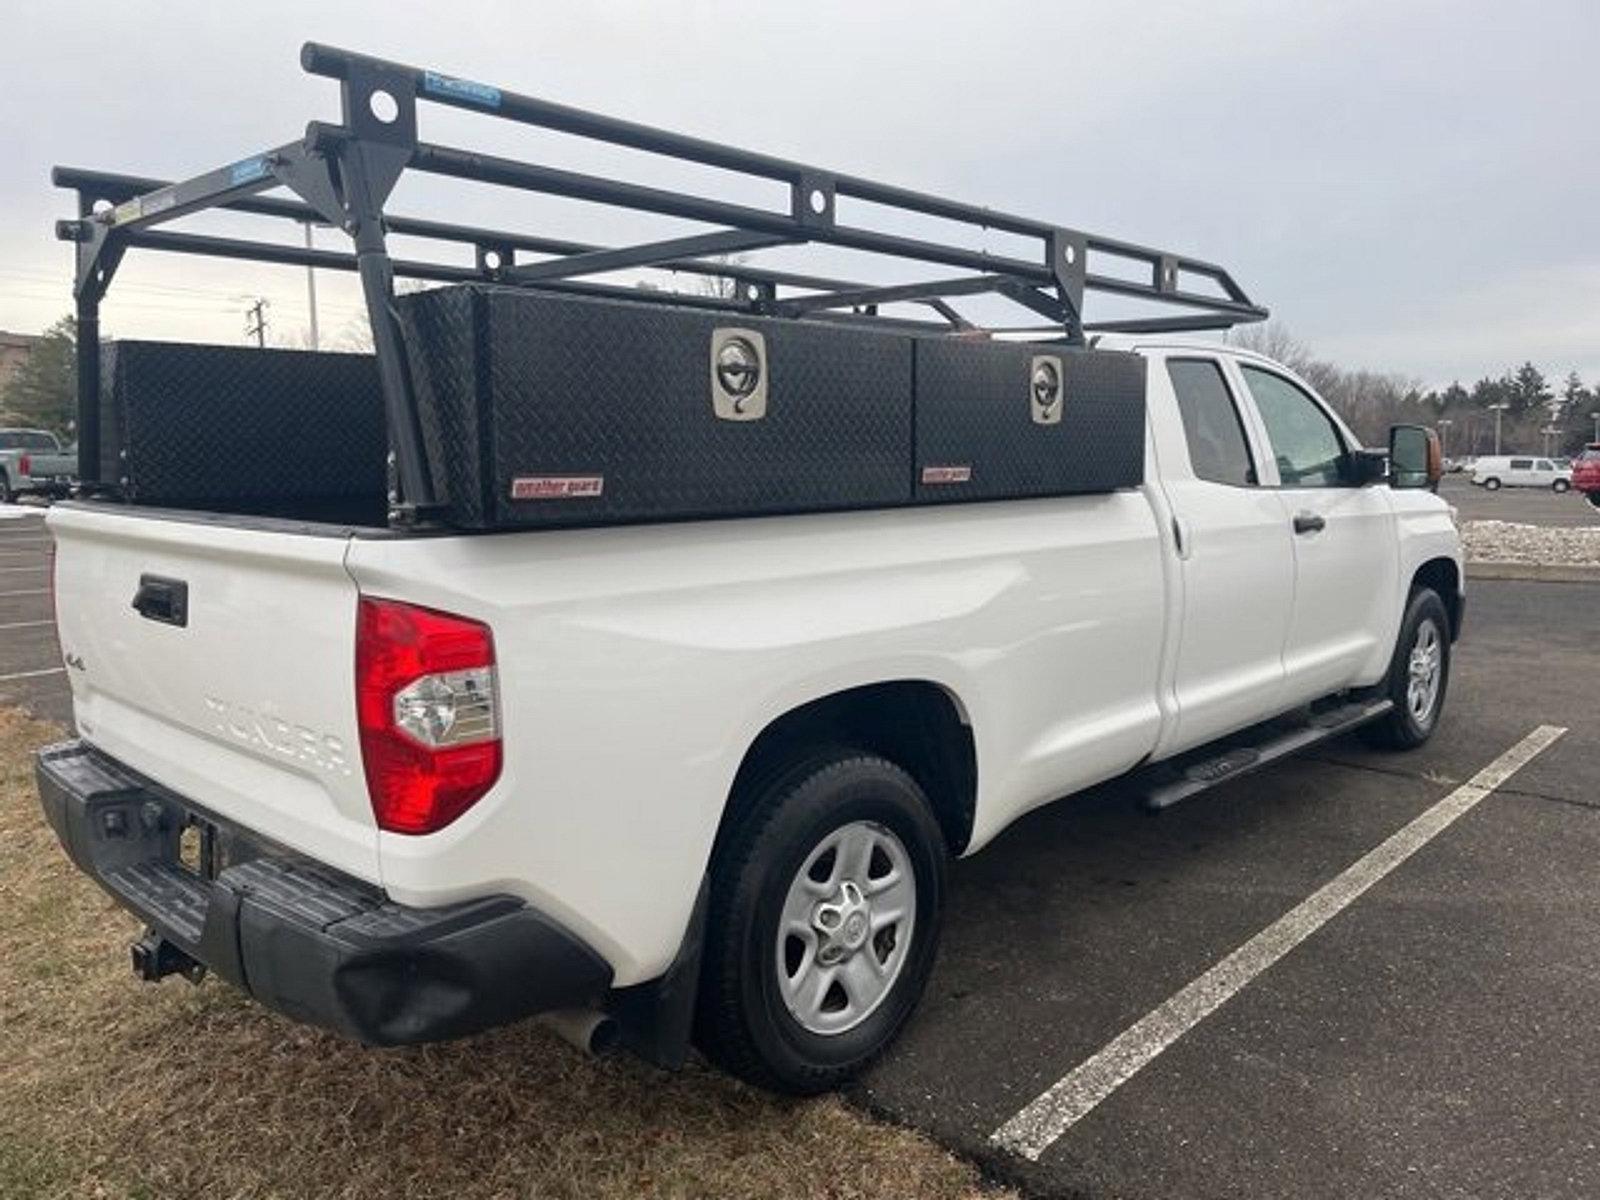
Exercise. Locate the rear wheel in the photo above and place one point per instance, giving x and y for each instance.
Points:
(1594, 498)
(1492, 484)
(824, 919)
(1560, 485)
(7, 496)
(1419, 674)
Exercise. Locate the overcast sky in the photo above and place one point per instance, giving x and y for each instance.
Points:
(1411, 187)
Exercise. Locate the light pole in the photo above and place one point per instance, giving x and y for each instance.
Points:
(1444, 438)
(1499, 410)
(311, 290)
(1548, 431)
(1595, 417)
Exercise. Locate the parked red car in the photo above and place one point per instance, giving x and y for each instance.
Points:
(1586, 473)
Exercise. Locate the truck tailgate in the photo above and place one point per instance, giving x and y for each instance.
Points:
(234, 686)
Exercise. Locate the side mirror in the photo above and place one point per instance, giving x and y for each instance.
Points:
(1367, 467)
(1415, 460)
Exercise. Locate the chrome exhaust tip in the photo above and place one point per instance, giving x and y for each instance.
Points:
(592, 1033)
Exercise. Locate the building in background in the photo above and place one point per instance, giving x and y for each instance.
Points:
(14, 351)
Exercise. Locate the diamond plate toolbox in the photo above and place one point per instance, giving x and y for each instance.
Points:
(998, 420)
(186, 425)
(546, 410)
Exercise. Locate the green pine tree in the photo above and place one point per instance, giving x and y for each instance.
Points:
(44, 391)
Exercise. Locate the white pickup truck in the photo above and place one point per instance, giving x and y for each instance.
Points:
(702, 778)
(595, 756)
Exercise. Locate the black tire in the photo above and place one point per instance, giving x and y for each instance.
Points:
(742, 1021)
(1492, 484)
(7, 496)
(1560, 486)
(1594, 498)
(1403, 728)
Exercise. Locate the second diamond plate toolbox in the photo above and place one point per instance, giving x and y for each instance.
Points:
(553, 410)
(997, 420)
(187, 425)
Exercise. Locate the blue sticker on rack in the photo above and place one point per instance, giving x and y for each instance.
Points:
(248, 171)
(460, 89)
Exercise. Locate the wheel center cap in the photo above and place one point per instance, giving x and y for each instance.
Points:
(855, 929)
(844, 922)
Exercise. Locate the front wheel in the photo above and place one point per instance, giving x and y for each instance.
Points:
(1560, 486)
(1419, 674)
(825, 910)
(1594, 498)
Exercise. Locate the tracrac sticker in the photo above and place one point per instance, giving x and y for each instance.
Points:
(557, 487)
(937, 475)
(461, 89)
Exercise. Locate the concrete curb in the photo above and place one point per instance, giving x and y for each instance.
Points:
(1534, 572)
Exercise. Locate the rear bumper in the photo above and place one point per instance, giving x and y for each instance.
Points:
(313, 944)
(44, 485)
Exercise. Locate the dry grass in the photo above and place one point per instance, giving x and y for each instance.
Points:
(112, 1088)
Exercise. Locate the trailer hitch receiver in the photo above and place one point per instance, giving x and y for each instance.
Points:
(154, 958)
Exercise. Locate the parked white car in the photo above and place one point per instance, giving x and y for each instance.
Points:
(1494, 472)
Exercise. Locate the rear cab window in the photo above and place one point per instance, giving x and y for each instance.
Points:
(1218, 449)
(1522, 464)
(27, 439)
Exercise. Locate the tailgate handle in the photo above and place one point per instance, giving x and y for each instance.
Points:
(162, 599)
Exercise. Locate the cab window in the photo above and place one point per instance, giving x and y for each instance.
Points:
(1218, 451)
(1305, 443)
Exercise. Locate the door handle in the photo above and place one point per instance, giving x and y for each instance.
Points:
(1180, 536)
(1309, 523)
(162, 599)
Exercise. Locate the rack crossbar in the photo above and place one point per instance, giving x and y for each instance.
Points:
(342, 175)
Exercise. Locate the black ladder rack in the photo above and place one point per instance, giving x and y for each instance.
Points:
(343, 176)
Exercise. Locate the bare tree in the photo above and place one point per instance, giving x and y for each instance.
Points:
(720, 287)
(1274, 340)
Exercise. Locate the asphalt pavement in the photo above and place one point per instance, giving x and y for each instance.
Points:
(1431, 1037)
(1434, 1038)
(1528, 506)
(30, 665)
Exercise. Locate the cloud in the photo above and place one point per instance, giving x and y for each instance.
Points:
(1385, 176)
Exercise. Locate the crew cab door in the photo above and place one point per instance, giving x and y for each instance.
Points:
(1234, 561)
(1346, 553)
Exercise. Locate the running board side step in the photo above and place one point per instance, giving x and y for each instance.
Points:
(1202, 774)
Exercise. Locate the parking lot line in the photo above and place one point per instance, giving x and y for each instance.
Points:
(26, 592)
(24, 624)
(1037, 1126)
(18, 570)
(32, 674)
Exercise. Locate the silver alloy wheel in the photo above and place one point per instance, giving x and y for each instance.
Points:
(1423, 669)
(846, 927)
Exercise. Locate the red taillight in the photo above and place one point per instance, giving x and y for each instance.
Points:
(25, 464)
(428, 713)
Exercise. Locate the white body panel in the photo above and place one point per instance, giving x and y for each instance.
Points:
(1078, 638)
(638, 665)
(250, 707)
